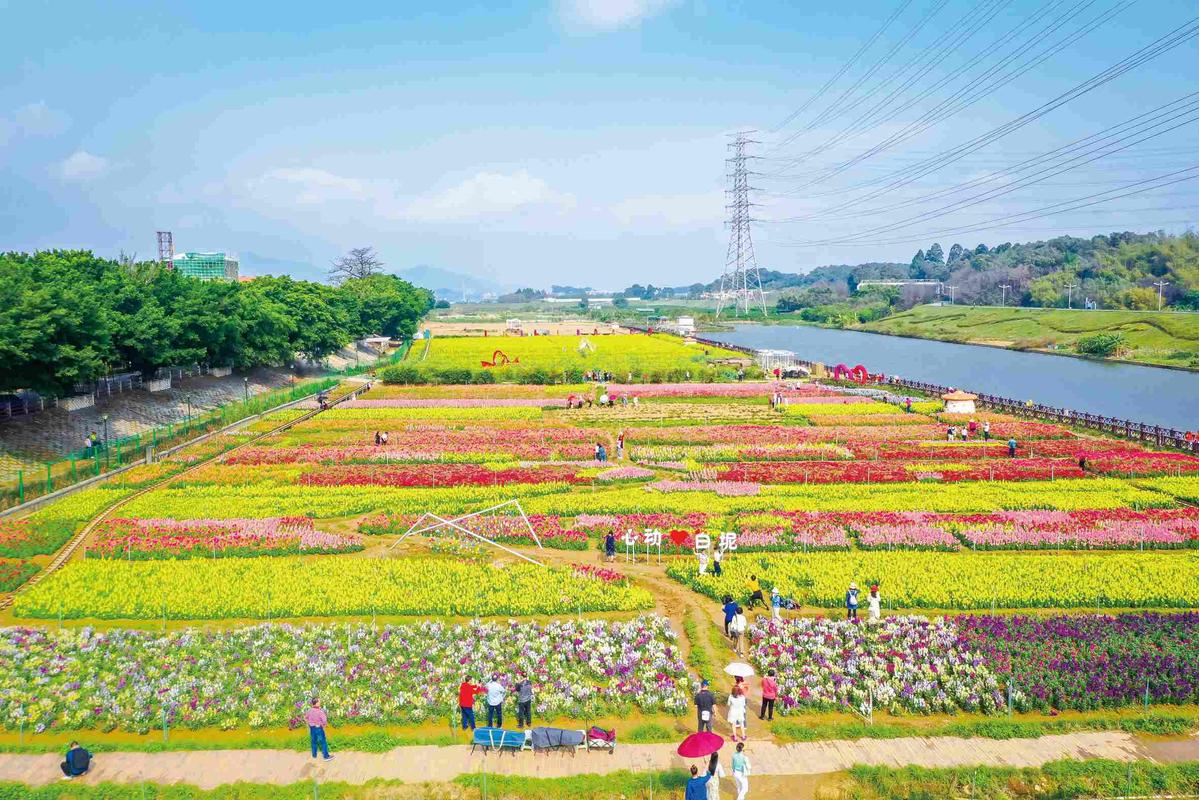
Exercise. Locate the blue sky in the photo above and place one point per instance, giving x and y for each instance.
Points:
(565, 141)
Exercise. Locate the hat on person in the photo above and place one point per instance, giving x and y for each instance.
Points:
(703, 683)
(774, 590)
(852, 585)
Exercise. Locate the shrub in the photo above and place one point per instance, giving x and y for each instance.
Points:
(1100, 344)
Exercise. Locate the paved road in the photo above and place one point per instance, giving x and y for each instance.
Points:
(210, 768)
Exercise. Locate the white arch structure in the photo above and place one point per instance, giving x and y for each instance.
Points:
(442, 522)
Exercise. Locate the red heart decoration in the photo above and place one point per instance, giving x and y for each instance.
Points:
(678, 537)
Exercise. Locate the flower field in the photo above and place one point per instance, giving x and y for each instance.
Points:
(263, 675)
(267, 587)
(827, 489)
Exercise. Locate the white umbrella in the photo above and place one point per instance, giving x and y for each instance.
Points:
(739, 670)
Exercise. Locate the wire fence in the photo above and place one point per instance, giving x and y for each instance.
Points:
(117, 453)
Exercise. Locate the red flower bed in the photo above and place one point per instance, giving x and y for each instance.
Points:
(429, 475)
(895, 472)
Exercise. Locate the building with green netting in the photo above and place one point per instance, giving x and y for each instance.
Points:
(207, 266)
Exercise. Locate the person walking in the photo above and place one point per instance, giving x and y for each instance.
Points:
(741, 771)
(610, 546)
(378, 439)
(907, 406)
(776, 604)
(730, 611)
(738, 628)
(620, 447)
(468, 690)
(495, 702)
(716, 770)
(737, 701)
(986, 430)
(603, 453)
(770, 693)
(697, 785)
(962, 432)
(317, 719)
(702, 555)
(1011, 447)
(524, 701)
(717, 557)
(949, 433)
(851, 602)
(705, 704)
(874, 603)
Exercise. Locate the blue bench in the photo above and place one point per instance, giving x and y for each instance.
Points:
(498, 739)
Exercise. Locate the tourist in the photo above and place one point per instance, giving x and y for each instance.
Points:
(1082, 463)
(77, 762)
(702, 555)
(741, 771)
(636, 402)
(776, 604)
(610, 546)
(570, 401)
(467, 692)
(973, 427)
(1011, 447)
(874, 603)
(705, 702)
(962, 432)
(755, 591)
(740, 373)
(987, 430)
(738, 628)
(378, 439)
(495, 702)
(620, 447)
(717, 772)
(730, 611)
(87, 445)
(384, 437)
(737, 712)
(605, 400)
(624, 400)
(770, 693)
(524, 701)
(851, 602)
(907, 406)
(697, 785)
(717, 557)
(949, 434)
(317, 719)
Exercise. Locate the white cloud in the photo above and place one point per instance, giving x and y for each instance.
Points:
(606, 15)
(486, 195)
(671, 211)
(310, 186)
(38, 119)
(82, 166)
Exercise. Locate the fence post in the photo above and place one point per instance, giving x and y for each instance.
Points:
(49, 479)
(20, 486)
(74, 472)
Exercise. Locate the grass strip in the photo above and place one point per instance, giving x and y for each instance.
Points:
(792, 730)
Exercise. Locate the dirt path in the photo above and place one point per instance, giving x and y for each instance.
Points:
(210, 768)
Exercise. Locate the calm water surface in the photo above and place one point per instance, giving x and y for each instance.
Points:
(1143, 394)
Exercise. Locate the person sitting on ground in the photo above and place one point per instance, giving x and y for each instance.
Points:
(78, 762)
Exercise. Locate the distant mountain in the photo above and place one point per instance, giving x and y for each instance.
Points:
(450, 285)
(257, 265)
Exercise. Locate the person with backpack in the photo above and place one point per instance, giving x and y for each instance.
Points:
(851, 601)
(78, 761)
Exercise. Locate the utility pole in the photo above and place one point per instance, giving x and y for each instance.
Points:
(741, 278)
(1160, 286)
(1003, 294)
(1070, 287)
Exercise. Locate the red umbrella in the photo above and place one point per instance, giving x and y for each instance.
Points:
(698, 745)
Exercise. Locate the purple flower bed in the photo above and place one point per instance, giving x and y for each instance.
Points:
(1090, 661)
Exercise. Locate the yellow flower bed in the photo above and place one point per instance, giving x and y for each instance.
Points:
(855, 409)
(438, 414)
(259, 588)
(915, 579)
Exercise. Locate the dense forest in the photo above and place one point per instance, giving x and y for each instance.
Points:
(69, 317)
(1118, 271)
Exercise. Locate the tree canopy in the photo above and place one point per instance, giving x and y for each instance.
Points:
(68, 316)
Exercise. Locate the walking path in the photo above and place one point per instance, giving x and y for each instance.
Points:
(211, 768)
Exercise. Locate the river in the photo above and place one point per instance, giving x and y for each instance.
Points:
(1151, 395)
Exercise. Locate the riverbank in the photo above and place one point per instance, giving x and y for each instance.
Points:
(1160, 339)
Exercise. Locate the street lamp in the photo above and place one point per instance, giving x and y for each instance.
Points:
(104, 419)
(245, 384)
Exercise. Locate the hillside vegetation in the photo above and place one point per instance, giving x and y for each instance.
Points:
(1170, 339)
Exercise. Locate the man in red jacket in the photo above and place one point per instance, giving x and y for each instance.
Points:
(467, 692)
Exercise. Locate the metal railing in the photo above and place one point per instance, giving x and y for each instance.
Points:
(1152, 434)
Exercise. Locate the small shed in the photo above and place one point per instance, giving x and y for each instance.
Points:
(959, 402)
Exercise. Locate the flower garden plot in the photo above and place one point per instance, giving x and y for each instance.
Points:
(1026, 469)
(21, 538)
(620, 355)
(441, 414)
(432, 475)
(506, 529)
(743, 390)
(268, 587)
(722, 453)
(123, 679)
(14, 573)
(850, 436)
(381, 391)
(841, 409)
(1088, 661)
(497, 402)
(210, 538)
(1115, 529)
(902, 664)
(666, 412)
(966, 580)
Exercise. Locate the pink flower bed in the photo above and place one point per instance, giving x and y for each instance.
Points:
(625, 474)
(722, 488)
(169, 538)
(498, 402)
(915, 537)
(758, 389)
(1116, 529)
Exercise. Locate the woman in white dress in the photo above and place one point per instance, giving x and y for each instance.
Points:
(875, 603)
(737, 713)
(714, 784)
